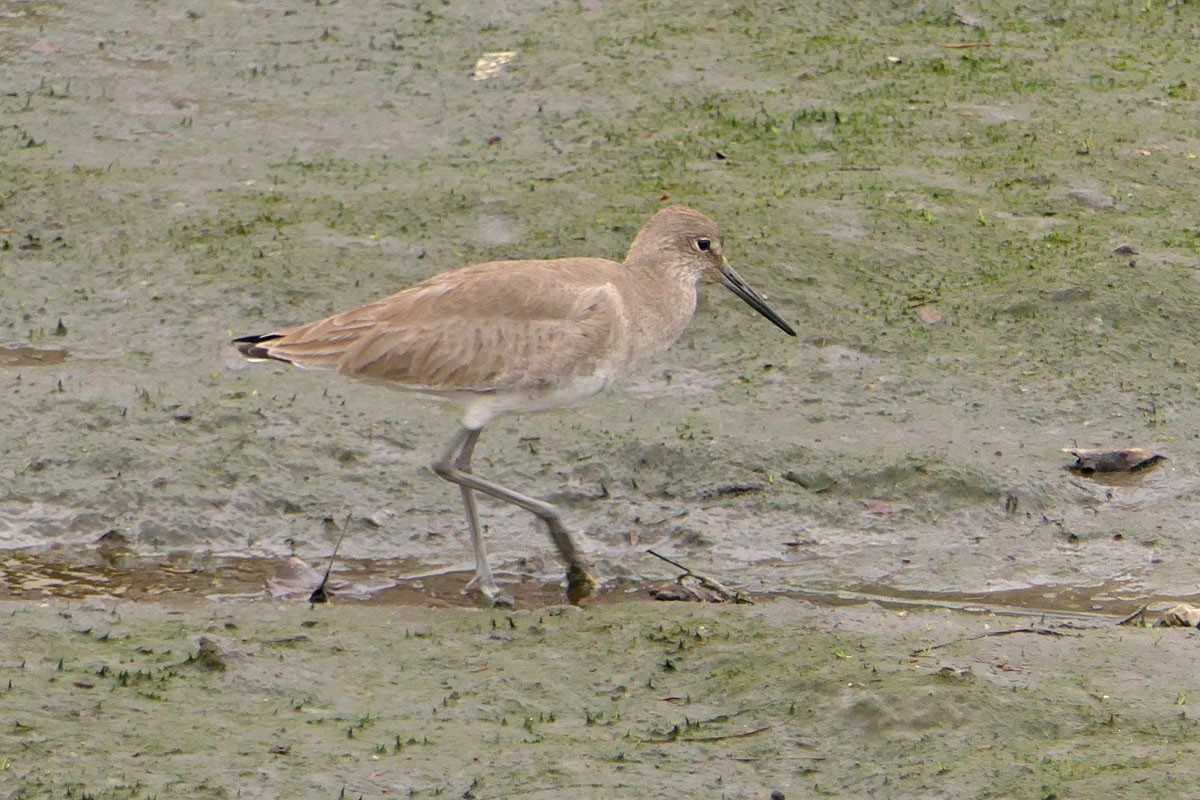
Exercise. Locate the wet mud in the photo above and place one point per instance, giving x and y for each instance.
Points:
(115, 699)
(980, 221)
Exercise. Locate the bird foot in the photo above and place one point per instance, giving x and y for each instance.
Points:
(580, 584)
(491, 593)
(502, 600)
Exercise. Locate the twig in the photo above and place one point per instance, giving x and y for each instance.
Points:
(670, 561)
(1135, 615)
(1038, 631)
(554, 791)
(711, 584)
(685, 739)
(450, 569)
(839, 597)
(319, 595)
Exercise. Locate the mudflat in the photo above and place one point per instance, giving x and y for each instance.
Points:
(980, 222)
(111, 699)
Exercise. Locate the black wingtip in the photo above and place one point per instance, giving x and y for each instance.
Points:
(249, 346)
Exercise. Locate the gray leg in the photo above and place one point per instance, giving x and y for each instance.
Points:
(483, 573)
(455, 466)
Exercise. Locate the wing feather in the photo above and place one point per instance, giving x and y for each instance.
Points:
(496, 326)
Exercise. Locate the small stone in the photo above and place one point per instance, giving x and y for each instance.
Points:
(1091, 196)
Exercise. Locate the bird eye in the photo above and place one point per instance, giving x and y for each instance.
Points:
(703, 244)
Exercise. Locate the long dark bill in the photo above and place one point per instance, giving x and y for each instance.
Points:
(735, 284)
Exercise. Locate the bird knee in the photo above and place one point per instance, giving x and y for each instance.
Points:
(442, 468)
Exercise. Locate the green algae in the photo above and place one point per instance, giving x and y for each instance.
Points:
(662, 700)
(175, 175)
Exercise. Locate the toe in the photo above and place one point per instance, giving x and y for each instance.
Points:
(580, 584)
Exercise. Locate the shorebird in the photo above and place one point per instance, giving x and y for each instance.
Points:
(513, 337)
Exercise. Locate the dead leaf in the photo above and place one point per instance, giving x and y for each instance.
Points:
(929, 315)
(492, 65)
(879, 508)
(696, 588)
(1182, 615)
(955, 673)
(1130, 459)
(297, 578)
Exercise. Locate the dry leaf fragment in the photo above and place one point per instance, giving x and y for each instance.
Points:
(297, 578)
(491, 65)
(1102, 459)
(1180, 616)
(929, 315)
(969, 20)
(955, 673)
(879, 508)
(696, 588)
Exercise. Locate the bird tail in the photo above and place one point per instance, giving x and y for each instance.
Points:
(252, 347)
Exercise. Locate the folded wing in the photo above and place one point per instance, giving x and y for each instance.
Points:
(479, 329)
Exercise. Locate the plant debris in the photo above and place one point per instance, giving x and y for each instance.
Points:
(1181, 615)
(1130, 459)
(695, 588)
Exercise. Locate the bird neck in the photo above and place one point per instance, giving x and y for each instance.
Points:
(663, 301)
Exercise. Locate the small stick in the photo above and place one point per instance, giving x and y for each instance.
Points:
(711, 583)
(685, 739)
(319, 595)
(1135, 615)
(1039, 631)
(671, 562)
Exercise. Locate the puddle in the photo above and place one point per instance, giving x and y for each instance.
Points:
(20, 355)
(185, 577)
(1108, 599)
